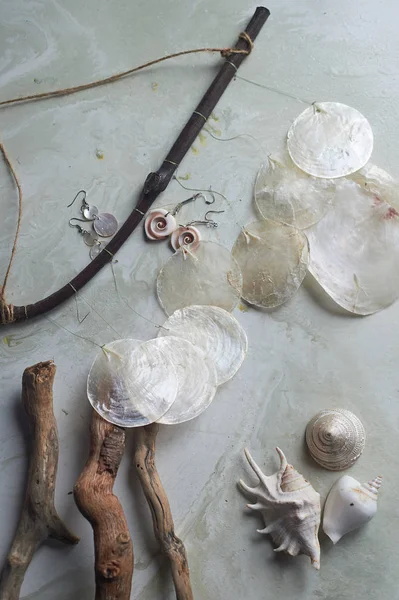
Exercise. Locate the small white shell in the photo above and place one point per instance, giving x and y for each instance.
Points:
(273, 259)
(285, 194)
(330, 140)
(290, 508)
(349, 505)
(185, 236)
(208, 275)
(132, 383)
(335, 438)
(159, 224)
(354, 249)
(214, 331)
(196, 378)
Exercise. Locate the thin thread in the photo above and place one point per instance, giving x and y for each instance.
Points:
(171, 162)
(86, 86)
(96, 311)
(275, 90)
(230, 63)
(215, 137)
(72, 332)
(14, 247)
(26, 312)
(129, 306)
(108, 252)
(139, 211)
(200, 114)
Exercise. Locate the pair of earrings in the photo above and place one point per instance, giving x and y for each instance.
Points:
(161, 223)
(104, 224)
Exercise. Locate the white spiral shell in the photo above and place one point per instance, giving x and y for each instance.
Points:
(290, 508)
(159, 224)
(335, 438)
(185, 236)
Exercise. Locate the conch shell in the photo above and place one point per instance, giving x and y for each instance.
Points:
(349, 505)
(335, 438)
(188, 236)
(159, 224)
(290, 508)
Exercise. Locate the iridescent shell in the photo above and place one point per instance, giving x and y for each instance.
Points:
(285, 194)
(335, 438)
(188, 236)
(215, 332)
(290, 508)
(159, 224)
(132, 383)
(208, 275)
(330, 140)
(349, 505)
(273, 259)
(354, 249)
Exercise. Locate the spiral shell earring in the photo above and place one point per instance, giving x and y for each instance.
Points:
(159, 224)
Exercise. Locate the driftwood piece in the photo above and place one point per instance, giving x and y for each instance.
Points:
(171, 545)
(155, 182)
(94, 497)
(39, 519)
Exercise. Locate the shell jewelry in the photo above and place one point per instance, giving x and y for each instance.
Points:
(159, 224)
(104, 224)
(188, 236)
(335, 438)
(290, 508)
(349, 505)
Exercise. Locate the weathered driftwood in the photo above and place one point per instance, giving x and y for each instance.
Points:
(155, 182)
(95, 499)
(171, 545)
(39, 519)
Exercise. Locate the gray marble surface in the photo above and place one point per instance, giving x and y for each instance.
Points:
(304, 356)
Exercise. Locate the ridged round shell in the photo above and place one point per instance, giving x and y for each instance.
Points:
(285, 194)
(335, 438)
(330, 140)
(159, 224)
(273, 259)
(185, 236)
(196, 377)
(214, 331)
(208, 275)
(132, 383)
(354, 249)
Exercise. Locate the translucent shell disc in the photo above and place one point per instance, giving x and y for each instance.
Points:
(285, 194)
(273, 259)
(132, 383)
(207, 275)
(214, 331)
(354, 250)
(105, 224)
(196, 378)
(330, 140)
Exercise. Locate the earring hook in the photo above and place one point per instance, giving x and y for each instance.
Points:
(216, 212)
(79, 192)
(78, 227)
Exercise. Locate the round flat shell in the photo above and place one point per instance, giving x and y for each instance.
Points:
(196, 378)
(354, 250)
(273, 258)
(132, 383)
(214, 331)
(89, 211)
(285, 194)
(330, 140)
(208, 275)
(105, 224)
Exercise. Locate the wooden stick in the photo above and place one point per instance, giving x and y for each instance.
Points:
(171, 545)
(39, 519)
(154, 184)
(94, 497)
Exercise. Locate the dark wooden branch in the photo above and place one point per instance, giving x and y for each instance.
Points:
(171, 545)
(39, 519)
(154, 184)
(94, 497)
